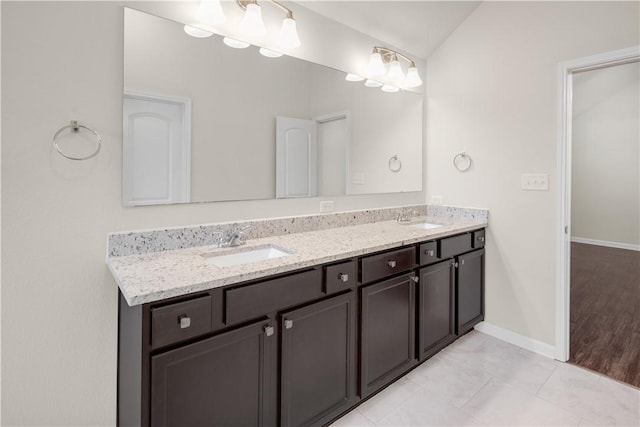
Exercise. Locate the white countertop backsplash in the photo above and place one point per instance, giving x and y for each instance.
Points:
(153, 265)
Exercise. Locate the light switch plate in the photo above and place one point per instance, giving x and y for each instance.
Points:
(535, 181)
(357, 178)
(437, 200)
(326, 206)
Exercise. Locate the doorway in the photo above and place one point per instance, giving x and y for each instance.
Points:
(598, 235)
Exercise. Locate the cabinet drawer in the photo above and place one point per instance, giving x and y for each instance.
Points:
(452, 246)
(379, 266)
(180, 321)
(338, 277)
(428, 253)
(478, 239)
(258, 299)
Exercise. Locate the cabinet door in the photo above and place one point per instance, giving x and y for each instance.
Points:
(225, 380)
(388, 332)
(318, 361)
(470, 290)
(436, 308)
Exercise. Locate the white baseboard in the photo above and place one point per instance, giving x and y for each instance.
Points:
(619, 245)
(517, 339)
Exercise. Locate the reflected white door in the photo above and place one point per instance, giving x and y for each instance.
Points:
(333, 150)
(296, 158)
(156, 150)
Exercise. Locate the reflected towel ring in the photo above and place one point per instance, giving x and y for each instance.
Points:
(461, 166)
(75, 127)
(395, 164)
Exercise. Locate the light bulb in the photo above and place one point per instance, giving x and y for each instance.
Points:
(252, 24)
(395, 70)
(210, 11)
(288, 37)
(372, 83)
(236, 44)
(353, 78)
(376, 66)
(389, 88)
(197, 32)
(413, 78)
(269, 53)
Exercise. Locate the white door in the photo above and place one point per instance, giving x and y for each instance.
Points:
(296, 158)
(156, 150)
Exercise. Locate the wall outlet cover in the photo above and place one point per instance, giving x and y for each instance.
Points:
(357, 178)
(326, 206)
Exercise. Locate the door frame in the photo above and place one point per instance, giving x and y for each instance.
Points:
(186, 142)
(566, 70)
(346, 116)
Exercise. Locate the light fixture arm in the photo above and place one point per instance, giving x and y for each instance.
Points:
(243, 4)
(389, 54)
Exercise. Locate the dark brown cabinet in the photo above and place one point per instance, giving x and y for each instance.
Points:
(387, 337)
(470, 290)
(225, 380)
(436, 308)
(318, 361)
(301, 348)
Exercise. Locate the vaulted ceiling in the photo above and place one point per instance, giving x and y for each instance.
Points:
(417, 27)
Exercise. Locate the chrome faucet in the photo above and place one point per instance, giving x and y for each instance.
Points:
(236, 238)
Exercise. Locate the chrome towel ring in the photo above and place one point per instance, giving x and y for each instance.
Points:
(394, 163)
(462, 161)
(75, 127)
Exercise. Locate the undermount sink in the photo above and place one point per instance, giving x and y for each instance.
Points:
(426, 225)
(246, 255)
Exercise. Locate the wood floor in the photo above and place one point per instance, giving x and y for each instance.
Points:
(605, 311)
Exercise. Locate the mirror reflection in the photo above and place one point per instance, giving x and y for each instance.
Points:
(206, 122)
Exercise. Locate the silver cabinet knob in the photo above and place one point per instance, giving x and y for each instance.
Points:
(416, 279)
(454, 264)
(481, 238)
(269, 330)
(288, 324)
(429, 253)
(392, 264)
(343, 277)
(461, 262)
(185, 321)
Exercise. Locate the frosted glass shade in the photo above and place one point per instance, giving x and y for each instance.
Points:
(395, 71)
(236, 44)
(389, 88)
(196, 32)
(372, 83)
(210, 11)
(288, 37)
(376, 66)
(252, 24)
(353, 78)
(413, 78)
(269, 53)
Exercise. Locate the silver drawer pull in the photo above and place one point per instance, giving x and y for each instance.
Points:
(429, 253)
(268, 330)
(343, 277)
(185, 321)
(454, 264)
(288, 324)
(392, 264)
(481, 238)
(461, 262)
(416, 279)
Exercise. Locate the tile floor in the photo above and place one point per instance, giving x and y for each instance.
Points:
(482, 381)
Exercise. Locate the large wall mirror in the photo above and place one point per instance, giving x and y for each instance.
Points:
(204, 122)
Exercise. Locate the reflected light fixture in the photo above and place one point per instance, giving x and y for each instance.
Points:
(252, 24)
(210, 11)
(394, 75)
(197, 32)
(353, 78)
(236, 44)
(269, 53)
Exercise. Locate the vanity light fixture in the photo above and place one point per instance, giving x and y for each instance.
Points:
(210, 12)
(380, 56)
(253, 26)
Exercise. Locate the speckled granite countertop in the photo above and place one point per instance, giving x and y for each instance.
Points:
(158, 275)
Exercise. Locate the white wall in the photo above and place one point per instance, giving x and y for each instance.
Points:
(493, 93)
(63, 61)
(605, 166)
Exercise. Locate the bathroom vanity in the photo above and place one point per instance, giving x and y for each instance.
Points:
(293, 342)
